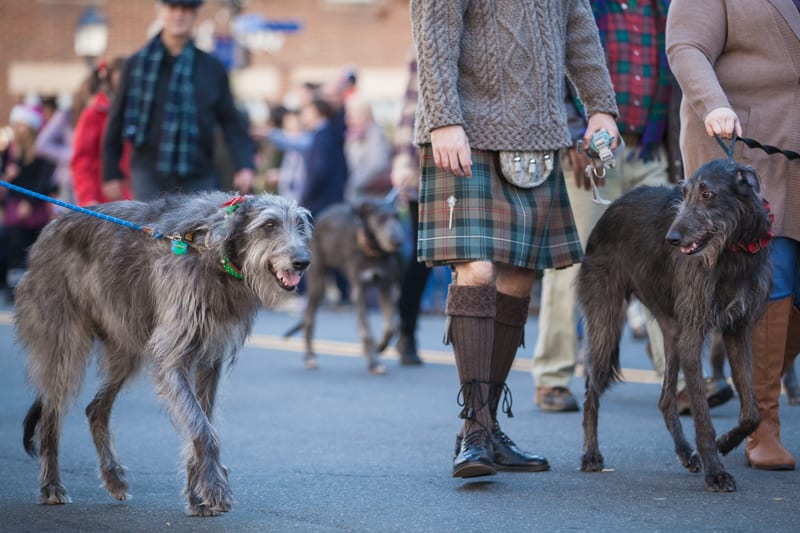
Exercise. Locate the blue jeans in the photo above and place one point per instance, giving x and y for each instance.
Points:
(783, 252)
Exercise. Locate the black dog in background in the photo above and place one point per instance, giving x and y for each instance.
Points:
(694, 256)
(363, 242)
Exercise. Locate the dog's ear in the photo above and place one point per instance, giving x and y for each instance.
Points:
(747, 181)
(225, 222)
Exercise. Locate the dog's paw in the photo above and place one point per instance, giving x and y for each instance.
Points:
(114, 482)
(377, 369)
(54, 494)
(311, 363)
(201, 510)
(720, 482)
(693, 463)
(592, 462)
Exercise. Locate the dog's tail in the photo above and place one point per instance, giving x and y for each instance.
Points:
(31, 421)
(294, 329)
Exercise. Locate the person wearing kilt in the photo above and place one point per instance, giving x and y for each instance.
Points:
(491, 84)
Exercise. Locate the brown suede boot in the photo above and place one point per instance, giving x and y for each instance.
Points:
(763, 448)
(790, 353)
(470, 329)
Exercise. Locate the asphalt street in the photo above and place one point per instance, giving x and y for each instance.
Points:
(337, 449)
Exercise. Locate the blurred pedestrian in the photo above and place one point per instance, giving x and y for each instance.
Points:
(367, 151)
(171, 98)
(405, 178)
(87, 148)
(54, 142)
(24, 216)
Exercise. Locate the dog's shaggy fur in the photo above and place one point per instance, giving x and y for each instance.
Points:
(683, 253)
(94, 280)
(362, 242)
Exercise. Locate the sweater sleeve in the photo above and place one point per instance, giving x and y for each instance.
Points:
(233, 124)
(436, 27)
(696, 33)
(586, 63)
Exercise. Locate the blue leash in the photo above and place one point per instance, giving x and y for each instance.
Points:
(150, 231)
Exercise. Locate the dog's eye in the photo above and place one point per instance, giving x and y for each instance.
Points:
(708, 195)
(270, 224)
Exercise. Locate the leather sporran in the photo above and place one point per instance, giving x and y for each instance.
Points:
(526, 169)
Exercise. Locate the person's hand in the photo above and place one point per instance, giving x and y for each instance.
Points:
(451, 150)
(601, 121)
(24, 209)
(112, 190)
(12, 171)
(723, 121)
(580, 161)
(243, 180)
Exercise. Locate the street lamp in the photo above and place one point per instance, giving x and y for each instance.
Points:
(91, 35)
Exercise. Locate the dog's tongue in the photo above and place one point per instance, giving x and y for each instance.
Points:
(290, 279)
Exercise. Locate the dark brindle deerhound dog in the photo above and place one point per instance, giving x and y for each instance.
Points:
(694, 257)
(93, 280)
(363, 242)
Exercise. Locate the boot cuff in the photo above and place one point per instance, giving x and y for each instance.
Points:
(512, 311)
(474, 301)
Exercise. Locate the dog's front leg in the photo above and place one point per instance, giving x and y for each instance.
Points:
(740, 358)
(359, 294)
(668, 404)
(207, 484)
(690, 349)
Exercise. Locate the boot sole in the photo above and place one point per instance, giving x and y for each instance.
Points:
(537, 468)
(770, 467)
(473, 470)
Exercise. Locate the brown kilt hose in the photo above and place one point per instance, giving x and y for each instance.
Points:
(493, 220)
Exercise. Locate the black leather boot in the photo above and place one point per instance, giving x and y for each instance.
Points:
(474, 457)
(407, 348)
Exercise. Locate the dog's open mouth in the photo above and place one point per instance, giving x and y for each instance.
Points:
(697, 245)
(287, 279)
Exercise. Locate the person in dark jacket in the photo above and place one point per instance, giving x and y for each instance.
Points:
(170, 100)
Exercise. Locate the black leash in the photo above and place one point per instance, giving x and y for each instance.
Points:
(752, 143)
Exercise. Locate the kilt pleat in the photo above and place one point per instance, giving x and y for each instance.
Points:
(493, 220)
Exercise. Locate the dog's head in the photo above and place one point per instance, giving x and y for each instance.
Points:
(721, 206)
(382, 225)
(265, 239)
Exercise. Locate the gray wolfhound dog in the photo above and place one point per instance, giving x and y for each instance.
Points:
(363, 242)
(694, 256)
(189, 314)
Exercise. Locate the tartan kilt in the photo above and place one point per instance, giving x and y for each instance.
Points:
(493, 220)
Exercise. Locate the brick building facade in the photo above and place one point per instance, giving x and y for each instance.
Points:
(37, 55)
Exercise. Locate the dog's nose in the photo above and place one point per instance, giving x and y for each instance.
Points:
(674, 237)
(300, 264)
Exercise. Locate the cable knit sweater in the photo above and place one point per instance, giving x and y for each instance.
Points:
(498, 67)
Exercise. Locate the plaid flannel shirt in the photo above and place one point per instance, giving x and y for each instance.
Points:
(633, 35)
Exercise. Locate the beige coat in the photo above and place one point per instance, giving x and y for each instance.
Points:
(743, 54)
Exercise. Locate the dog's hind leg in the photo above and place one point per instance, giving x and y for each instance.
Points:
(668, 404)
(603, 333)
(120, 366)
(213, 495)
(740, 360)
(58, 352)
(690, 345)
